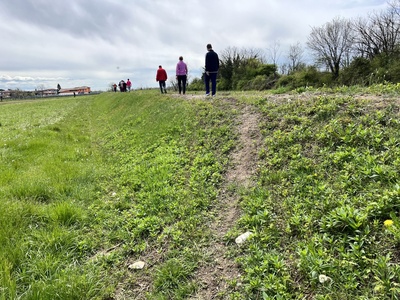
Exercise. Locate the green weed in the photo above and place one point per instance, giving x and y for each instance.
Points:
(327, 182)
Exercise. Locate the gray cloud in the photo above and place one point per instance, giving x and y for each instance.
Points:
(88, 42)
(77, 18)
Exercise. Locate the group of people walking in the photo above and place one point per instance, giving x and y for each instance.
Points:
(123, 86)
(181, 76)
(211, 71)
(210, 75)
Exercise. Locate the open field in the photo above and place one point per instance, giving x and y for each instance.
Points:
(93, 186)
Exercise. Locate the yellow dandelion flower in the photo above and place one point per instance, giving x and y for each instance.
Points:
(388, 223)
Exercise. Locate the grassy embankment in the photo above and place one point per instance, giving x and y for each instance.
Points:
(325, 211)
(90, 182)
(88, 185)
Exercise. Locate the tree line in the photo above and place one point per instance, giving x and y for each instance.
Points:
(360, 51)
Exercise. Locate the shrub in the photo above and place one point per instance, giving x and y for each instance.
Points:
(308, 76)
(197, 84)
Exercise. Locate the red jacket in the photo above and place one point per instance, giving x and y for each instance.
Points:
(161, 75)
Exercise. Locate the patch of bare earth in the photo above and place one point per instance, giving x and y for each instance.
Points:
(215, 274)
(137, 285)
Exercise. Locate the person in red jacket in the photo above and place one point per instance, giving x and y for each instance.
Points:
(161, 77)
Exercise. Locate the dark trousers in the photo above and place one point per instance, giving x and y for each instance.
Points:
(213, 78)
(162, 86)
(182, 83)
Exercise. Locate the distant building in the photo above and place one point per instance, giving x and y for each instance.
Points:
(78, 90)
(46, 92)
(82, 90)
(4, 93)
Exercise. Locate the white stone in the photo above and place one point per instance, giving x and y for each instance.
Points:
(137, 265)
(243, 237)
(323, 278)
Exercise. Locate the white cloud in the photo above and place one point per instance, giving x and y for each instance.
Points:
(88, 42)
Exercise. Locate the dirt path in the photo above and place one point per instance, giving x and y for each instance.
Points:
(214, 275)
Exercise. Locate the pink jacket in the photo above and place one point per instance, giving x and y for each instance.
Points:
(181, 68)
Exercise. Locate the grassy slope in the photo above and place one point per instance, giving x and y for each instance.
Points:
(329, 178)
(89, 185)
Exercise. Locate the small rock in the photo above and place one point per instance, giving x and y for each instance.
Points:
(137, 265)
(243, 237)
(323, 278)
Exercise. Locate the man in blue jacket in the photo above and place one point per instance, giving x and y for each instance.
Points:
(211, 68)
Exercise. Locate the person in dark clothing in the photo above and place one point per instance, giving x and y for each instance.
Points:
(211, 69)
(161, 77)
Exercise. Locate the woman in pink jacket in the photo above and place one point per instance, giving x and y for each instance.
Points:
(181, 75)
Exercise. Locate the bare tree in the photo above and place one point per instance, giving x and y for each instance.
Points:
(274, 52)
(395, 6)
(378, 33)
(39, 89)
(284, 69)
(295, 56)
(331, 42)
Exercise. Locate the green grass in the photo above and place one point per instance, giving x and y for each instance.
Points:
(328, 180)
(91, 184)
(130, 172)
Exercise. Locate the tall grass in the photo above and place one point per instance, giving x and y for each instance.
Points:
(128, 172)
(49, 168)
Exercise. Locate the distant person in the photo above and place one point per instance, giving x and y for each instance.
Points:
(128, 85)
(211, 68)
(161, 77)
(121, 86)
(114, 88)
(124, 86)
(181, 75)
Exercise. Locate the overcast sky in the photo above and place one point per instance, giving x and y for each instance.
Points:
(98, 42)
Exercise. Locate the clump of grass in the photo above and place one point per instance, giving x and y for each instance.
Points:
(172, 279)
(66, 213)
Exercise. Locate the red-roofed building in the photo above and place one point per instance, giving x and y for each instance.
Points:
(77, 90)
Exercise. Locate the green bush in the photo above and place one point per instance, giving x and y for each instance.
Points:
(308, 76)
(357, 72)
(197, 84)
